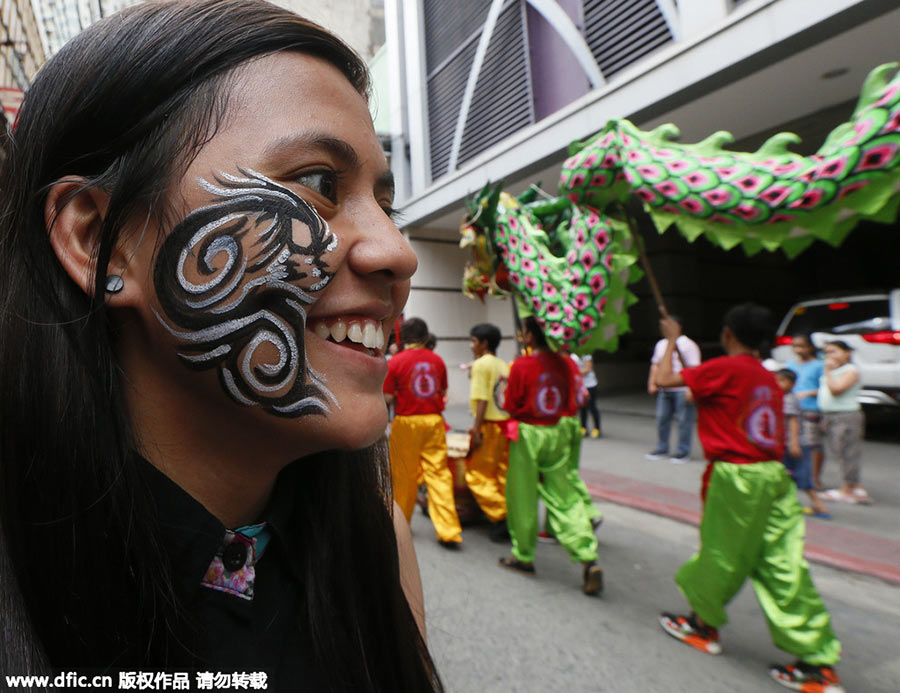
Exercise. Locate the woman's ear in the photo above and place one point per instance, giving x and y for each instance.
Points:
(74, 216)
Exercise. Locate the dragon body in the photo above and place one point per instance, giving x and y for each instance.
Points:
(569, 260)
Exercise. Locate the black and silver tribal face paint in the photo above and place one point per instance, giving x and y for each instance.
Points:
(238, 274)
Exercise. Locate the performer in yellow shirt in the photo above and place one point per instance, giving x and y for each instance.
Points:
(488, 460)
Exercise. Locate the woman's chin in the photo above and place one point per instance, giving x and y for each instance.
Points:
(360, 428)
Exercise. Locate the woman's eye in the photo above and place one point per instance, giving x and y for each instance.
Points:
(322, 182)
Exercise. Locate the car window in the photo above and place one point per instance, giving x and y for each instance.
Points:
(841, 317)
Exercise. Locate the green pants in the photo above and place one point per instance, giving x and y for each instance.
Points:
(753, 526)
(574, 426)
(539, 464)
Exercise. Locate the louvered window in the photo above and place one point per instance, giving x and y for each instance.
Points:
(621, 32)
(502, 102)
(445, 94)
(618, 33)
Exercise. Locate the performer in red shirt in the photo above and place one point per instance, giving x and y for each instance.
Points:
(752, 524)
(416, 383)
(540, 389)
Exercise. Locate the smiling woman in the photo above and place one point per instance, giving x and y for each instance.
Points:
(200, 271)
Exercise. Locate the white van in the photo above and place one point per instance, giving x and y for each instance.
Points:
(868, 322)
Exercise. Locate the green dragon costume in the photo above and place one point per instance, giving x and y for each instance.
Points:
(569, 261)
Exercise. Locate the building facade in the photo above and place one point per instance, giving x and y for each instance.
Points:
(62, 19)
(31, 31)
(358, 22)
(496, 89)
(21, 54)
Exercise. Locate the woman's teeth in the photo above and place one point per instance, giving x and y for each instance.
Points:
(365, 332)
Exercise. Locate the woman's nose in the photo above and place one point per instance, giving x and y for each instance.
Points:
(380, 249)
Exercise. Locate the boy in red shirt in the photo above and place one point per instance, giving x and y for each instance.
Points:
(416, 383)
(752, 524)
(540, 388)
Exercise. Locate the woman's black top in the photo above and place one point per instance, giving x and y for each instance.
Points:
(242, 588)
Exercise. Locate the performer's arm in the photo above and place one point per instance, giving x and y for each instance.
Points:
(410, 580)
(652, 387)
(388, 387)
(475, 431)
(665, 376)
(514, 391)
(794, 436)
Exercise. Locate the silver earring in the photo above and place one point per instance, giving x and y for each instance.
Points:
(114, 283)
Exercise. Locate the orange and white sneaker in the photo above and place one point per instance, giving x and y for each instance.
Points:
(807, 678)
(686, 629)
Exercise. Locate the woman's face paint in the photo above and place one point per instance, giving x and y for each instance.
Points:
(235, 280)
(281, 270)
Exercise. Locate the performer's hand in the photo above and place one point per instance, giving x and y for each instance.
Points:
(652, 388)
(669, 328)
(475, 438)
(795, 450)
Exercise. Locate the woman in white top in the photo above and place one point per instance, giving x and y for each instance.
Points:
(842, 420)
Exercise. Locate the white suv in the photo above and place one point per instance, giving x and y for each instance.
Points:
(869, 322)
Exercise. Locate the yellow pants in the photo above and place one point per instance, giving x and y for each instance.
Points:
(420, 441)
(486, 471)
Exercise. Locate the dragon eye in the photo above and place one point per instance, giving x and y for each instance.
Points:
(322, 182)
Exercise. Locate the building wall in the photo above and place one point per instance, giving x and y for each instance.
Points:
(21, 54)
(352, 20)
(751, 67)
(60, 20)
(437, 298)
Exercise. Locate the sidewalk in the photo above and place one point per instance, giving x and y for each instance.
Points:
(826, 543)
(859, 539)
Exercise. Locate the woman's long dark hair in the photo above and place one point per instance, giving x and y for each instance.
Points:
(84, 580)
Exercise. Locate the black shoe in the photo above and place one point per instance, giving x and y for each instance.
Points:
(499, 533)
(450, 545)
(593, 580)
(513, 563)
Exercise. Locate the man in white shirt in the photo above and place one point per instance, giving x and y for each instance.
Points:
(673, 401)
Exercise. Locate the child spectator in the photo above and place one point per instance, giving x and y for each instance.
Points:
(540, 386)
(589, 404)
(752, 524)
(576, 430)
(842, 421)
(797, 458)
(489, 447)
(809, 368)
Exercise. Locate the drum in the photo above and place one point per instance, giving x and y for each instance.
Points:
(466, 505)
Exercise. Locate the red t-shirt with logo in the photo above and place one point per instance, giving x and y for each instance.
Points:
(540, 389)
(418, 380)
(739, 410)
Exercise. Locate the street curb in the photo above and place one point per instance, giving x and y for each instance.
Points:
(626, 412)
(813, 552)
